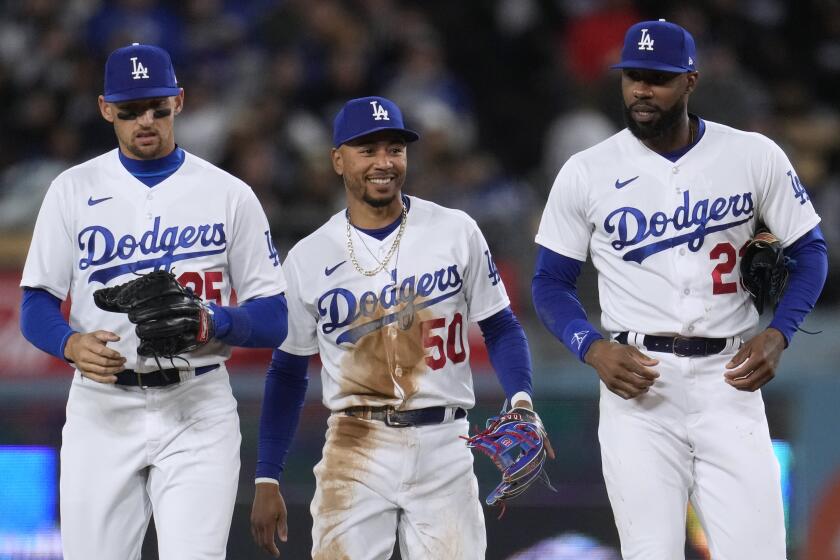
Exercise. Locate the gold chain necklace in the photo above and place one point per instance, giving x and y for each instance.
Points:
(390, 254)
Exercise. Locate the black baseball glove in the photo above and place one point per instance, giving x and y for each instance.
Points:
(517, 443)
(764, 272)
(170, 318)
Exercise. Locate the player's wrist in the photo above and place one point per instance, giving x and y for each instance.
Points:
(68, 350)
(778, 335)
(522, 400)
(595, 349)
(265, 480)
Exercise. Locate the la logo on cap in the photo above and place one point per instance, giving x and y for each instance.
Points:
(139, 71)
(647, 41)
(379, 112)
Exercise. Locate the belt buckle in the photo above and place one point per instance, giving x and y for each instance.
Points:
(674, 346)
(389, 421)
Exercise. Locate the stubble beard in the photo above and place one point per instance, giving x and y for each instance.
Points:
(144, 154)
(378, 202)
(659, 128)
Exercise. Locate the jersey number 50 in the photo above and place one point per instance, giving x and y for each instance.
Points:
(453, 348)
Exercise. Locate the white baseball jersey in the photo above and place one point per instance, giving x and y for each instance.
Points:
(665, 237)
(398, 338)
(177, 447)
(99, 225)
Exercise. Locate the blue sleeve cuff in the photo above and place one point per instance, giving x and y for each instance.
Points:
(256, 323)
(578, 336)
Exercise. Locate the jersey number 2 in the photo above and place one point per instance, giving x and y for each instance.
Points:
(453, 348)
(727, 251)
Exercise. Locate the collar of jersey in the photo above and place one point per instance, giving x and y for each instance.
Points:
(677, 154)
(383, 232)
(165, 166)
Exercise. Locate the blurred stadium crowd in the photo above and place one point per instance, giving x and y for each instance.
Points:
(502, 91)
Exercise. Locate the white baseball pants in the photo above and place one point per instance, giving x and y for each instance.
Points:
(128, 452)
(375, 481)
(692, 437)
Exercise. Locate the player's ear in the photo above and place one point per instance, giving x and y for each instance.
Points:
(691, 82)
(337, 161)
(105, 109)
(179, 102)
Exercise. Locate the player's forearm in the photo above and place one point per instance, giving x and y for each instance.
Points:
(508, 349)
(807, 278)
(41, 322)
(285, 389)
(555, 298)
(257, 323)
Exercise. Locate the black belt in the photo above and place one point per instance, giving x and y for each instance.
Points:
(159, 378)
(402, 418)
(679, 345)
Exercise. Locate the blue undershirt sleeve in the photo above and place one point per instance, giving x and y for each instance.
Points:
(554, 291)
(507, 347)
(41, 321)
(285, 389)
(256, 323)
(808, 271)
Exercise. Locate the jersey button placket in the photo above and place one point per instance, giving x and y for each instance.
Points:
(684, 268)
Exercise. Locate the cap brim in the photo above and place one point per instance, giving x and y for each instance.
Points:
(651, 65)
(408, 134)
(141, 93)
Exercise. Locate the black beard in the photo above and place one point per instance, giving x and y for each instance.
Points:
(661, 127)
(378, 202)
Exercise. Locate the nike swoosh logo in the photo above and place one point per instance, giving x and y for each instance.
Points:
(330, 270)
(622, 184)
(94, 201)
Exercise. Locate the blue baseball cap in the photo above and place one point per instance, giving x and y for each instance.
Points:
(366, 115)
(139, 72)
(658, 45)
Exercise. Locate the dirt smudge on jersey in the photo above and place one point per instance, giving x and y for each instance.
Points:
(347, 450)
(332, 551)
(390, 357)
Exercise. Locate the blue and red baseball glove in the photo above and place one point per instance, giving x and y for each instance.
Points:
(518, 445)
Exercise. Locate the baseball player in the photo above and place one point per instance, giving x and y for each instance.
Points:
(664, 207)
(384, 292)
(140, 439)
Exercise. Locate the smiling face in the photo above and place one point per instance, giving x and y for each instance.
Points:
(144, 127)
(373, 168)
(655, 102)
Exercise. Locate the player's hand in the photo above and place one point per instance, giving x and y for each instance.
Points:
(755, 363)
(268, 515)
(528, 406)
(90, 353)
(623, 368)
